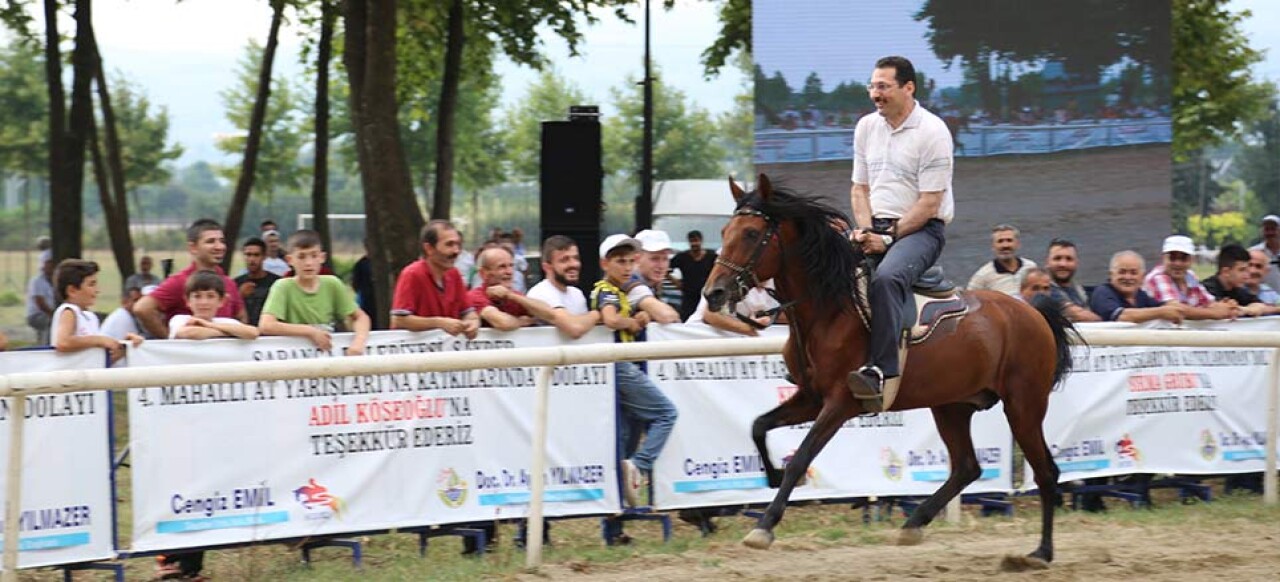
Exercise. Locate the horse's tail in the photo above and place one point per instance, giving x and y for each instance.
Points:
(1062, 329)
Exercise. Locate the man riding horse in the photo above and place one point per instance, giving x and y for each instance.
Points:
(902, 200)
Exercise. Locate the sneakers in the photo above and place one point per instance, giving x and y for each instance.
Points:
(632, 483)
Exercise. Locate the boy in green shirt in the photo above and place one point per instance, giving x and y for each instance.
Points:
(309, 304)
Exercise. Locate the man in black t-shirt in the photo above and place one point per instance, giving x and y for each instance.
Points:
(257, 281)
(1229, 282)
(695, 266)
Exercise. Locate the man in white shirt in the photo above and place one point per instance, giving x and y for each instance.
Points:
(902, 201)
(40, 299)
(1005, 272)
(1270, 245)
(561, 267)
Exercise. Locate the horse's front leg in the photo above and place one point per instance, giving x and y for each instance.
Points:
(803, 406)
(828, 422)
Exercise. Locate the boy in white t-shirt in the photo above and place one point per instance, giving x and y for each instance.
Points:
(205, 294)
(74, 326)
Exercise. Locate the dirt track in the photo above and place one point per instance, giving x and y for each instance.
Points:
(1105, 200)
(1087, 549)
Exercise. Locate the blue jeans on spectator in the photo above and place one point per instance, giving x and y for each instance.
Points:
(643, 404)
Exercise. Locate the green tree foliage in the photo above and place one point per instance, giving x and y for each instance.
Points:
(684, 135)
(1257, 162)
(24, 106)
(735, 35)
(278, 166)
(1214, 93)
(548, 98)
(144, 135)
(773, 95)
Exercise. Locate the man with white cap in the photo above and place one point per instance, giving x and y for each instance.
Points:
(652, 267)
(1173, 282)
(1270, 244)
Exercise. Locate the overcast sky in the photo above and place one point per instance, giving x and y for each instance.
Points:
(184, 53)
(1263, 29)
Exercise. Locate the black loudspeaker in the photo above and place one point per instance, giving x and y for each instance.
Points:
(572, 182)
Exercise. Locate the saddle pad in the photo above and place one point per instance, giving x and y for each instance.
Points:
(930, 312)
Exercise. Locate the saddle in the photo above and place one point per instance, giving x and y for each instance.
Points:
(933, 304)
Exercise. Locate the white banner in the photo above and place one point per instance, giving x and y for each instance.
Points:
(229, 463)
(711, 460)
(67, 509)
(1190, 411)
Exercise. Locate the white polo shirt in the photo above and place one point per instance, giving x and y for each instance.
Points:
(571, 299)
(899, 164)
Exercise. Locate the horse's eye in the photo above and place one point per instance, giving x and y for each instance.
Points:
(751, 234)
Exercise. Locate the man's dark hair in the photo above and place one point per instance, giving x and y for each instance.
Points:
(554, 244)
(431, 231)
(71, 272)
(268, 222)
(200, 227)
(254, 241)
(304, 239)
(205, 281)
(694, 234)
(904, 71)
(1061, 242)
(1231, 254)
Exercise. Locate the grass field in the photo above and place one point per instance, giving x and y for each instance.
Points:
(811, 535)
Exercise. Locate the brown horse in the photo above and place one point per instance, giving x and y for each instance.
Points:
(1003, 350)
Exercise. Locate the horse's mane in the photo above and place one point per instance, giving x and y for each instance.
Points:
(830, 262)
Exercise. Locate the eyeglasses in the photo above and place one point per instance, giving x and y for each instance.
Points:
(879, 87)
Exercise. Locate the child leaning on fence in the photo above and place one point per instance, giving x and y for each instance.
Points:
(312, 305)
(206, 292)
(74, 326)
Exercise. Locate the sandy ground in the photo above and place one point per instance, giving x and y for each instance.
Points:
(1230, 549)
(1105, 200)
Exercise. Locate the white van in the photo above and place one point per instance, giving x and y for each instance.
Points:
(680, 206)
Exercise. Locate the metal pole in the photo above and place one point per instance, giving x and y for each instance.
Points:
(644, 202)
(533, 538)
(1273, 426)
(13, 495)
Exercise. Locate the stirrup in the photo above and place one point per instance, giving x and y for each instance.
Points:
(867, 385)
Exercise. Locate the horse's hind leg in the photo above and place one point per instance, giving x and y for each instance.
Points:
(1026, 419)
(803, 406)
(828, 422)
(953, 425)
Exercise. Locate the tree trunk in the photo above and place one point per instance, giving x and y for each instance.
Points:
(66, 216)
(320, 178)
(442, 204)
(117, 224)
(393, 219)
(57, 184)
(118, 215)
(249, 165)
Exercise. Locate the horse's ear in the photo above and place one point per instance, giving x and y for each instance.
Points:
(738, 194)
(764, 187)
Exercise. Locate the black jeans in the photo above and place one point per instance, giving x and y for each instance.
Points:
(899, 269)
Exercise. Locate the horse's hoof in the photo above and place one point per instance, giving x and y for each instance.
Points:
(758, 539)
(1022, 564)
(910, 536)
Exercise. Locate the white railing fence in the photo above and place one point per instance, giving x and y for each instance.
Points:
(19, 386)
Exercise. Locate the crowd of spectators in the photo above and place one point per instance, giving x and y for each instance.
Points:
(1241, 284)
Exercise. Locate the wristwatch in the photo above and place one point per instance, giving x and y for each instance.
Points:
(888, 240)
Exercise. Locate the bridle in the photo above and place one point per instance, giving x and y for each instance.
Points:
(745, 275)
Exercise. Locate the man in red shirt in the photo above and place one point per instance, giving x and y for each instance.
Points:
(492, 298)
(207, 245)
(430, 293)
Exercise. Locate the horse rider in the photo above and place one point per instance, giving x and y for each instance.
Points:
(902, 200)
